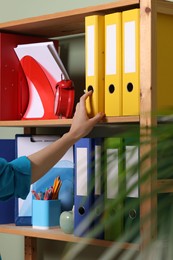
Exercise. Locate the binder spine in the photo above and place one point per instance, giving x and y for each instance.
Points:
(131, 59)
(84, 187)
(114, 188)
(94, 56)
(113, 61)
(132, 201)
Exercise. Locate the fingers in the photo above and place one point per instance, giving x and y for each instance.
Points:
(97, 118)
(83, 98)
(86, 95)
(82, 105)
(82, 102)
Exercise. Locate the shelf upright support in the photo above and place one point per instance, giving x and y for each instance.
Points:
(30, 248)
(30, 242)
(29, 130)
(148, 175)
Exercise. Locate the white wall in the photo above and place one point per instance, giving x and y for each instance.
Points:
(17, 9)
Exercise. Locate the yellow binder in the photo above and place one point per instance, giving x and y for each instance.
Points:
(94, 51)
(131, 80)
(164, 64)
(113, 57)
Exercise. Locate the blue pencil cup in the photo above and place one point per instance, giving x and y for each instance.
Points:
(45, 213)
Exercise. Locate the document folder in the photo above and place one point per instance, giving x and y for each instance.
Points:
(84, 186)
(113, 60)
(132, 222)
(7, 151)
(164, 43)
(94, 56)
(130, 63)
(164, 216)
(14, 94)
(98, 205)
(114, 186)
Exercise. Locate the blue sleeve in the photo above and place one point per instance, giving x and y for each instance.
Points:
(15, 178)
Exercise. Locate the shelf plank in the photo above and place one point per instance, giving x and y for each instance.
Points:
(165, 186)
(63, 23)
(36, 123)
(63, 122)
(58, 234)
(122, 119)
(165, 7)
(68, 122)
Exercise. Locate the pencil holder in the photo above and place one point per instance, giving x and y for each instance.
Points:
(45, 213)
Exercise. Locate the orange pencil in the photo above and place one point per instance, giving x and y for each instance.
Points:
(56, 187)
(55, 195)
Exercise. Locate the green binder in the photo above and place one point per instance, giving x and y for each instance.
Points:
(132, 200)
(114, 188)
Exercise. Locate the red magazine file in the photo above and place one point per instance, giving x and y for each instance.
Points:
(14, 92)
(41, 95)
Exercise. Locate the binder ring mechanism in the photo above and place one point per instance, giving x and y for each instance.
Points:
(130, 87)
(111, 88)
(132, 214)
(64, 99)
(90, 88)
(81, 210)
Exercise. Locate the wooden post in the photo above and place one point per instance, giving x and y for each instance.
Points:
(148, 120)
(30, 248)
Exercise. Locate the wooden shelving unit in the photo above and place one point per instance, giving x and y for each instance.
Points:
(72, 22)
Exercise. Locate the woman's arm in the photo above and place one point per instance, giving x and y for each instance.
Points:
(46, 158)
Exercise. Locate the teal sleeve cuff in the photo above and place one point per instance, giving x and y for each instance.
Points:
(22, 177)
(15, 178)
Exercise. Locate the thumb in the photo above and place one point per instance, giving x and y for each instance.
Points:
(97, 118)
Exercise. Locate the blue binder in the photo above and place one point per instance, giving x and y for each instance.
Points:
(98, 205)
(84, 187)
(7, 151)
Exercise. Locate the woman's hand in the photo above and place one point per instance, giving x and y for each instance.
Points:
(45, 159)
(82, 124)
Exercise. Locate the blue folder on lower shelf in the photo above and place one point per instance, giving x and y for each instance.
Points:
(7, 151)
(98, 206)
(84, 186)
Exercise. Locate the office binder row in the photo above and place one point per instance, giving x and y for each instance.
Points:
(106, 201)
(112, 63)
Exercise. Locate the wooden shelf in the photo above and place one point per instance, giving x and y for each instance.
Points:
(165, 186)
(58, 234)
(64, 122)
(63, 23)
(164, 7)
(67, 122)
(36, 123)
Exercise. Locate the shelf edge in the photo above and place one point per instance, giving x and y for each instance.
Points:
(57, 234)
(63, 122)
